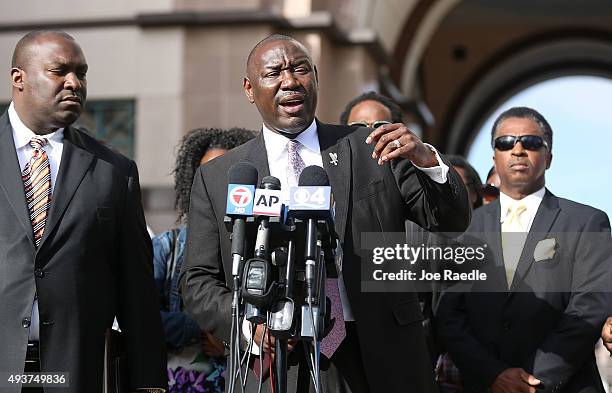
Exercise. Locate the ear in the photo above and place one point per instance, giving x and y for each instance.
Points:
(248, 89)
(17, 78)
(549, 160)
(316, 72)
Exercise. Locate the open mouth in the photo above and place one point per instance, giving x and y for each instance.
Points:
(292, 103)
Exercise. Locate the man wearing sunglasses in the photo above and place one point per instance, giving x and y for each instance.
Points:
(534, 325)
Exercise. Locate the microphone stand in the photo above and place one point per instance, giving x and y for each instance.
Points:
(281, 345)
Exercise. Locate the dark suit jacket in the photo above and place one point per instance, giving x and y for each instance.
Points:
(368, 197)
(94, 262)
(550, 319)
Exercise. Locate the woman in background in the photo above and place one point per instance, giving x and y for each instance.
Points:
(195, 357)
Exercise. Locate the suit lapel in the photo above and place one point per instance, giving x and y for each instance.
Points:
(543, 221)
(492, 232)
(258, 156)
(73, 166)
(10, 177)
(335, 149)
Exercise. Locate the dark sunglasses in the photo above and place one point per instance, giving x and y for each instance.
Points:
(374, 124)
(529, 142)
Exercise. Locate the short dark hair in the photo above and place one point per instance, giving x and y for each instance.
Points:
(396, 111)
(523, 112)
(273, 37)
(191, 149)
(474, 182)
(21, 53)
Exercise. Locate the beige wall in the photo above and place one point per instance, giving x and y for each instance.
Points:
(216, 5)
(214, 67)
(33, 11)
(7, 43)
(131, 63)
(144, 65)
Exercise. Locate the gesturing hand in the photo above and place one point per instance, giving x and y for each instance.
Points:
(211, 345)
(515, 380)
(396, 140)
(606, 334)
(269, 341)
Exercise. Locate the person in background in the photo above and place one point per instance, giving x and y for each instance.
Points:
(371, 110)
(490, 190)
(195, 357)
(470, 179)
(447, 373)
(533, 325)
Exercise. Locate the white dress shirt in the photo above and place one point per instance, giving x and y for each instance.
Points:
(531, 203)
(22, 136)
(310, 151)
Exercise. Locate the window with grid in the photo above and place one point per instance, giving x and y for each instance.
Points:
(111, 121)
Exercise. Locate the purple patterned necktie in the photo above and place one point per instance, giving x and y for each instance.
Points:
(331, 342)
(334, 338)
(296, 163)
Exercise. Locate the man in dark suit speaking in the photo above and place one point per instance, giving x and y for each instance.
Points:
(378, 178)
(74, 251)
(533, 327)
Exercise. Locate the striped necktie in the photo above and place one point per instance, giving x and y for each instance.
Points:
(36, 178)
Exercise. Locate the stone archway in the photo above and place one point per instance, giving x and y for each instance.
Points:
(579, 54)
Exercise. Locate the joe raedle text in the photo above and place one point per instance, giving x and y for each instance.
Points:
(428, 263)
(445, 275)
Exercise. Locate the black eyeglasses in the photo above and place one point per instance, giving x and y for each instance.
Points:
(374, 124)
(529, 142)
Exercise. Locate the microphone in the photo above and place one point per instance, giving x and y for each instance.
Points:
(312, 200)
(242, 178)
(257, 290)
(267, 203)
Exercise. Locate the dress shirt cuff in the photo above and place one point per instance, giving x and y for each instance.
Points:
(436, 173)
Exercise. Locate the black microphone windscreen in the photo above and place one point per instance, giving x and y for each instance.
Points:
(270, 183)
(313, 176)
(243, 173)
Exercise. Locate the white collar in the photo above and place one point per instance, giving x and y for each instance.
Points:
(531, 202)
(22, 135)
(276, 143)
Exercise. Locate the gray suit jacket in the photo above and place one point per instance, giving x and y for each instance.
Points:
(369, 198)
(549, 320)
(94, 262)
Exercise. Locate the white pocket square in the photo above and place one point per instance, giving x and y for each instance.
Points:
(545, 249)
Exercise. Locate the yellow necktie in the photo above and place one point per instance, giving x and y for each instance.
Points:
(513, 239)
